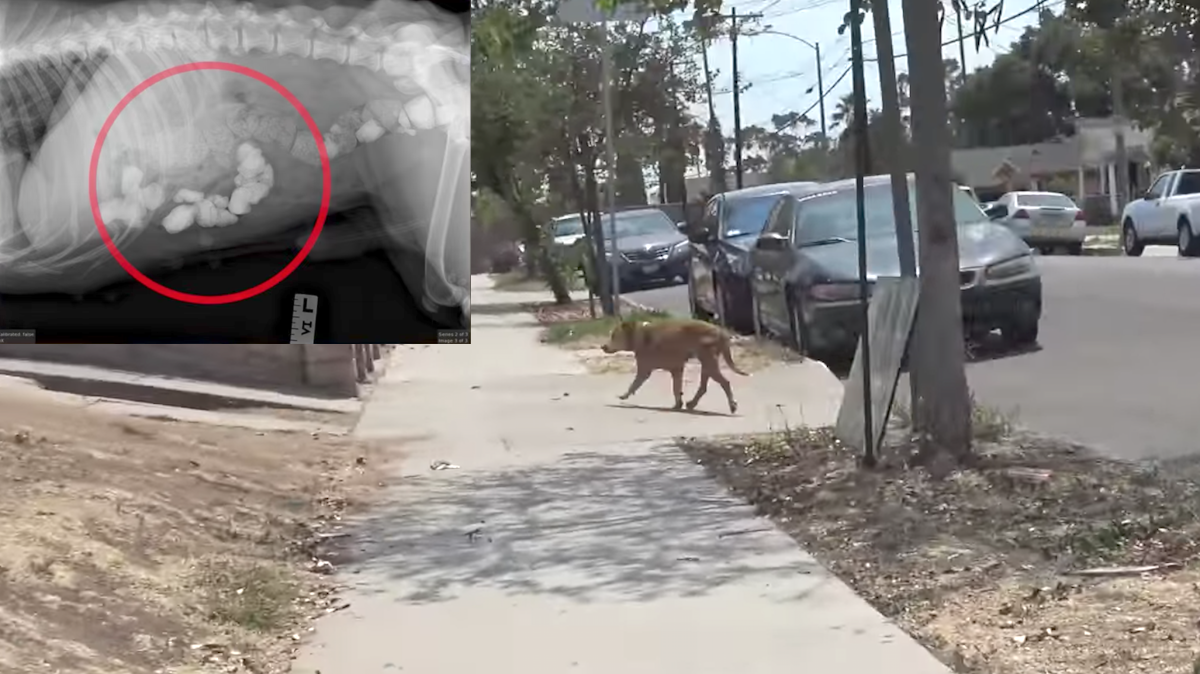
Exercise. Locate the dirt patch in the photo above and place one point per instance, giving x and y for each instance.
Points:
(137, 545)
(990, 567)
(571, 326)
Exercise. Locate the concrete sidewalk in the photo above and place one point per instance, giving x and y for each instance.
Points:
(573, 537)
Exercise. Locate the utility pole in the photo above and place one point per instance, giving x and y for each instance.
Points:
(737, 94)
(962, 72)
(610, 164)
(821, 94)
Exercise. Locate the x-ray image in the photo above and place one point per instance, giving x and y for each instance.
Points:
(183, 172)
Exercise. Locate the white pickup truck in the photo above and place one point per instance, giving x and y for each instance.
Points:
(1168, 213)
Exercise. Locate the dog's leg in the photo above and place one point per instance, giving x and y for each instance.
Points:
(638, 379)
(719, 377)
(677, 382)
(701, 389)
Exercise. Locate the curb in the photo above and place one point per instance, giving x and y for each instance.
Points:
(644, 308)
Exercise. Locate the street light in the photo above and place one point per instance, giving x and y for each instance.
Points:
(820, 84)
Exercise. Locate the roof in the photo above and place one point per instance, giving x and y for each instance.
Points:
(1032, 192)
(987, 165)
(776, 188)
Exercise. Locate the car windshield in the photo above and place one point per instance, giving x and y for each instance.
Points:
(1050, 200)
(747, 215)
(833, 215)
(639, 223)
(572, 226)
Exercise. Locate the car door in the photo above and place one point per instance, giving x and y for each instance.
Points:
(770, 267)
(701, 268)
(1150, 216)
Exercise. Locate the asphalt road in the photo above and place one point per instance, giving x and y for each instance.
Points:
(1119, 364)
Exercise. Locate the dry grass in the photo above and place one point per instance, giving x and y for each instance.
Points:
(133, 545)
(983, 566)
(519, 280)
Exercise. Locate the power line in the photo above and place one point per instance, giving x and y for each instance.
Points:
(814, 105)
(1037, 6)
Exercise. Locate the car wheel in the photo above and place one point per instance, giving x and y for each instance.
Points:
(1075, 249)
(1130, 243)
(1021, 332)
(1188, 246)
(799, 331)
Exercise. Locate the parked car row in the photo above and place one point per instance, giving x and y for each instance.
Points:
(783, 260)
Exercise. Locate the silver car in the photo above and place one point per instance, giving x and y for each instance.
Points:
(1045, 220)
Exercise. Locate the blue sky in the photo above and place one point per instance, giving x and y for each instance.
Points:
(781, 69)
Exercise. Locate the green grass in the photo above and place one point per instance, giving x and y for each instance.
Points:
(575, 331)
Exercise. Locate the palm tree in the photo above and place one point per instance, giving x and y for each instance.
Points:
(843, 112)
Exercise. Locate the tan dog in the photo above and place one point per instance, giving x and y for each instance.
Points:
(669, 345)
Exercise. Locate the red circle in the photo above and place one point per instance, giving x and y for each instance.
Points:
(326, 185)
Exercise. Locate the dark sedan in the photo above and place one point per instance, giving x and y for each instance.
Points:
(719, 274)
(650, 248)
(805, 269)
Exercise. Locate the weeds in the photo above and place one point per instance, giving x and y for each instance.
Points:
(249, 595)
(988, 424)
(575, 331)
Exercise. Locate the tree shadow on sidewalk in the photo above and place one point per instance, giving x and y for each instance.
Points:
(637, 525)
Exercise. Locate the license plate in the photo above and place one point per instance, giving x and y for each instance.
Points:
(1047, 232)
(651, 268)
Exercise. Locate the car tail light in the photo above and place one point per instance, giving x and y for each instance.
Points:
(1079, 217)
(1021, 214)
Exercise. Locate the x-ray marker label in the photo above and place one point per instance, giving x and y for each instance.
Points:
(304, 319)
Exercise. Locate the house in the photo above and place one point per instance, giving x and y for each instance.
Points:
(1083, 166)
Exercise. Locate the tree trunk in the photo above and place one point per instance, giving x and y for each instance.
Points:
(943, 401)
(535, 247)
(597, 267)
(631, 180)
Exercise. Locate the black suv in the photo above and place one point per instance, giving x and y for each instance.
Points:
(719, 280)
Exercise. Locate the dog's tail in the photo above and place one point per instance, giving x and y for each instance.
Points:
(725, 351)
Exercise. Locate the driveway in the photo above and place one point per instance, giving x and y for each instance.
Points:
(1120, 358)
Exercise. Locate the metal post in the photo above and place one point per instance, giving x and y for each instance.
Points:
(862, 160)
(610, 148)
